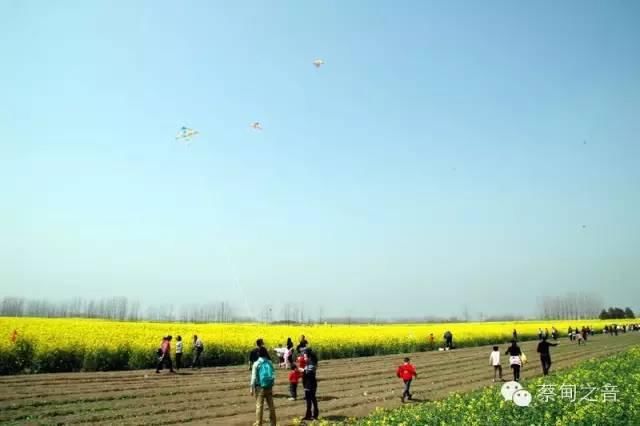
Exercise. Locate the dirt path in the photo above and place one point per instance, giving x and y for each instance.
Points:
(347, 388)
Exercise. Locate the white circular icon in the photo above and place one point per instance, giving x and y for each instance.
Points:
(522, 398)
(508, 389)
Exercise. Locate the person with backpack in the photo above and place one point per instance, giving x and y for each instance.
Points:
(310, 383)
(406, 372)
(164, 353)
(198, 348)
(255, 353)
(262, 380)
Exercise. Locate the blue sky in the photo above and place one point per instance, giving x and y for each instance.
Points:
(438, 156)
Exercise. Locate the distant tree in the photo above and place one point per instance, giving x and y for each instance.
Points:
(603, 315)
(628, 313)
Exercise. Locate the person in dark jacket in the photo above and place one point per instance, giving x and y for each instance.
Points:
(515, 361)
(448, 340)
(255, 353)
(545, 356)
(303, 344)
(310, 383)
(198, 348)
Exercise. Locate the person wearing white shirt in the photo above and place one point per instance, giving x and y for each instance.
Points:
(494, 360)
(179, 349)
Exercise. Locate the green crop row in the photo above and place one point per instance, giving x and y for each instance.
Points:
(607, 392)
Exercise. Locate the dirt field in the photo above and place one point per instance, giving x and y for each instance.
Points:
(350, 387)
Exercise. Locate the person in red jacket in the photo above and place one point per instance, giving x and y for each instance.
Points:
(301, 362)
(294, 379)
(164, 354)
(406, 372)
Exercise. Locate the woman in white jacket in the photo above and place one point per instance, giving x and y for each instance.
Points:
(515, 361)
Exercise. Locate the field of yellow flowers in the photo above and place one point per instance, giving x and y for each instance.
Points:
(56, 345)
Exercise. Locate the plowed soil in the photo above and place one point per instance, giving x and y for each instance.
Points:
(347, 388)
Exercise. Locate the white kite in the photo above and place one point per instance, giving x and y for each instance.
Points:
(256, 125)
(318, 63)
(185, 134)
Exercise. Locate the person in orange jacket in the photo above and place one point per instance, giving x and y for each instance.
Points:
(406, 372)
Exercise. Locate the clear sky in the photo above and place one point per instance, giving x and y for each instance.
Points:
(437, 159)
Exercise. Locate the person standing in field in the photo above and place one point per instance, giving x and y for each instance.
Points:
(494, 360)
(579, 338)
(303, 344)
(585, 333)
(289, 353)
(294, 379)
(515, 361)
(540, 334)
(301, 361)
(545, 356)
(570, 333)
(515, 335)
(262, 380)
(198, 348)
(554, 333)
(448, 340)
(179, 349)
(255, 353)
(310, 383)
(165, 355)
(432, 341)
(406, 372)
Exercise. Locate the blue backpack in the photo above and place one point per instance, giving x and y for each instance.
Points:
(266, 375)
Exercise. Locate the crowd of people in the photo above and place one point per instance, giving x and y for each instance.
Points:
(263, 377)
(302, 363)
(164, 353)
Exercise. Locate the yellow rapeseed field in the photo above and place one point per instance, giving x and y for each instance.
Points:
(76, 344)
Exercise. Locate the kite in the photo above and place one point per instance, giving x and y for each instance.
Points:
(256, 125)
(318, 63)
(185, 134)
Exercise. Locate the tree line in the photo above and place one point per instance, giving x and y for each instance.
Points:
(572, 306)
(616, 313)
(117, 308)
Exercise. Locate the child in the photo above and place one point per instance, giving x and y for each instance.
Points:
(406, 372)
(494, 360)
(294, 378)
(301, 361)
(579, 338)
